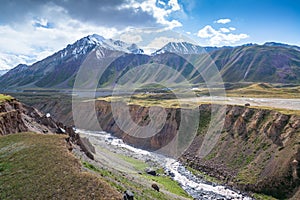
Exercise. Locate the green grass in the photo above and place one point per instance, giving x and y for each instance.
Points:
(36, 166)
(256, 90)
(265, 90)
(247, 176)
(137, 164)
(121, 182)
(281, 110)
(263, 197)
(205, 176)
(5, 98)
(168, 184)
(165, 181)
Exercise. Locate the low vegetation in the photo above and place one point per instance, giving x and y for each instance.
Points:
(36, 166)
(265, 90)
(4, 97)
(122, 182)
(205, 176)
(150, 100)
(263, 197)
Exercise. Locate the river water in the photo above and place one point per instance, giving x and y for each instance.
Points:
(194, 186)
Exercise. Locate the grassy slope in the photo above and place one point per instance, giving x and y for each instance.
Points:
(264, 90)
(140, 182)
(147, 100)
(35, 166)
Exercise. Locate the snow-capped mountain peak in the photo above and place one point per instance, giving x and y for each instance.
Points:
(90, 42)
(183, 48)
(96, 38)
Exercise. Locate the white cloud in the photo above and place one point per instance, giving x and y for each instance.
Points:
(227, 39)
(174, 5)
(51, 27)
(27, 43)
(225, 30)
(161, 3)
(160, 14)
(131, 38)
(221, 37)
(232, 28)
(207, 32)
(223, 21)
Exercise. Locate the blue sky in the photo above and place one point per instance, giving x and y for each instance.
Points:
(32, 30)
(262, 20)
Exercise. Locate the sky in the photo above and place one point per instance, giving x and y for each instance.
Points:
(31, 30)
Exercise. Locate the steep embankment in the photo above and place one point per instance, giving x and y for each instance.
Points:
(16, 117)
(258, 150)
(42, 161)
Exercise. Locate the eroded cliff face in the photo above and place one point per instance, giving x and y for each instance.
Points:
(16, 117)
(257, 150)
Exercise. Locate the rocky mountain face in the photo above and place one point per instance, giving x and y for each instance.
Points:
(271, 62)
(59, 70)
(258, 150)
(258, 63)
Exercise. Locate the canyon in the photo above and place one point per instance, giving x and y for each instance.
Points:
(258, 150)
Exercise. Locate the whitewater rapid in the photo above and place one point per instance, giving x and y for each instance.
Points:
(194, 186)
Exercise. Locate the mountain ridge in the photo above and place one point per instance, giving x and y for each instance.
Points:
(271, 62)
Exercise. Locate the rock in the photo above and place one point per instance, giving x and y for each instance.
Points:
(247, 104)
(151, 172)
(60, 131)
(86, 147)
(171, 174)
(155, 187)
(128, 195)
(45, 131)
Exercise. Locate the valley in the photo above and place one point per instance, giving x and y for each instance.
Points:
(214, 122)
(150, 100)
(267, 137)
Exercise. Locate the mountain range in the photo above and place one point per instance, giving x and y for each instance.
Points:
(271, 62)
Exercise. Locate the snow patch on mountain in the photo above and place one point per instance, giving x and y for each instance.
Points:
(86, 44)
(184, 48)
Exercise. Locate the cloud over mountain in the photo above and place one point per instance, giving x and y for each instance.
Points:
(36, 29)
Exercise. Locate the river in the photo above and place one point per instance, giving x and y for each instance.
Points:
(194, 186)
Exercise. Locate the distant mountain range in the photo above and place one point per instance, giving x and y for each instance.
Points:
(185, 48)
(270, 62)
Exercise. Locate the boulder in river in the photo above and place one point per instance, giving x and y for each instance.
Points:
(151, 172)
(128, 195)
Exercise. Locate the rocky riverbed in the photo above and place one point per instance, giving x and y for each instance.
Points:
(194, 186)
